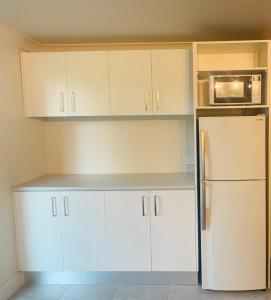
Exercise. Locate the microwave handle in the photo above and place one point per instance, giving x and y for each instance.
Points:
(211, 90)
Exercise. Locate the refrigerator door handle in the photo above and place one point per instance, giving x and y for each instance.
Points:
(202, 181)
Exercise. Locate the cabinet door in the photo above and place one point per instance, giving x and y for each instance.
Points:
(130, 82)
(128, 230)
(38, 231)
(84, 238)
(173, 231)
(44, 81)
(87, 81)
(172, 81)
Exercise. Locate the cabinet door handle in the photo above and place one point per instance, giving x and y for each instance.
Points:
(144, 210)
(62, 102)
(66, 207)
(158, 100)
(73, 101)
(54, 210)
(146, 100)
(156, 205)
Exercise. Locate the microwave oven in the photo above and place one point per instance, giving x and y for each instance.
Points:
(235, 89)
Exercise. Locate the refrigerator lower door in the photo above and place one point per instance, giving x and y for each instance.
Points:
(233, 244)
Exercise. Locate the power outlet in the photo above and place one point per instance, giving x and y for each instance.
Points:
(189, 160)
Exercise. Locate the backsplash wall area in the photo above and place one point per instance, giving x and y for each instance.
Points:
(118, 146)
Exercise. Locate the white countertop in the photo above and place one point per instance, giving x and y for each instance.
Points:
(109, 182)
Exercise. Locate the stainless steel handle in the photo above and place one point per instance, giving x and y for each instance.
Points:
(156, 205)
(66, 207)
(73, 101)
(203, 205)
(143, 206)
(62, 102)
(202, 180)
(146, 100)
(202, 155)
(54, 211)
(157, 100)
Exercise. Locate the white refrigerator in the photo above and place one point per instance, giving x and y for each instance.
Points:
(232, 157)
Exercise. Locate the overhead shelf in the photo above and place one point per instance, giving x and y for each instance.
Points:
(208, 70)
(213, 58)
(232, 107)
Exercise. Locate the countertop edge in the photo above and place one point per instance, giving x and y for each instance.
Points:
(108, 182)
(120, 188)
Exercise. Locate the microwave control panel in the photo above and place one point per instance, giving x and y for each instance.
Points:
(256, 89)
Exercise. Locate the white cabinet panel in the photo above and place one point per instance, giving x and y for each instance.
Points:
(44, 80)
(130, 82)
(171, 77)
(84, 235)
(128, 230)
(97, 83)
(173, 231)
(115, 231)
(39, 231)
(87, 82)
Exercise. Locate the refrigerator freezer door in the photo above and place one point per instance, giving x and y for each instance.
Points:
(233, 246)
(234, 147)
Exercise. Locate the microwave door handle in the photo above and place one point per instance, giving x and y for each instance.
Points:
(202, 180)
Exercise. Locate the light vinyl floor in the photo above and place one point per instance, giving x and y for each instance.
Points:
(131, 292)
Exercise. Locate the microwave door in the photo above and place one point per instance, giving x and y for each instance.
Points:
(230, 90)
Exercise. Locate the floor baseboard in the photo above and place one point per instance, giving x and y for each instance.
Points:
(190, 278)
(12, 286)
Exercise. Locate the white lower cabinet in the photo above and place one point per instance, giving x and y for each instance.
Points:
(128, 230)
(83, 231)
(114, 230)
(61, 231)
(38, 231)
(173, 230)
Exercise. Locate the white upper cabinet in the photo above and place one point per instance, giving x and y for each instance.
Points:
(84, 235)
(173, 230)
(44, 81)
(87, 83)
(130, 82)
(171, 72)
(39, 231)
(102, 83)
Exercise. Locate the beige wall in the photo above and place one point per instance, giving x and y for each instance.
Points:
(22, 154)
(118, 146)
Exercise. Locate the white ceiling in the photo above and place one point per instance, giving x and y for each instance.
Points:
(87, 21)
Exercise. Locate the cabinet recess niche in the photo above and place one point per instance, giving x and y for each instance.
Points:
(103, 83)
(210, 58)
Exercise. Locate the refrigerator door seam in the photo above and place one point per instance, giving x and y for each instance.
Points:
(214, 180)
